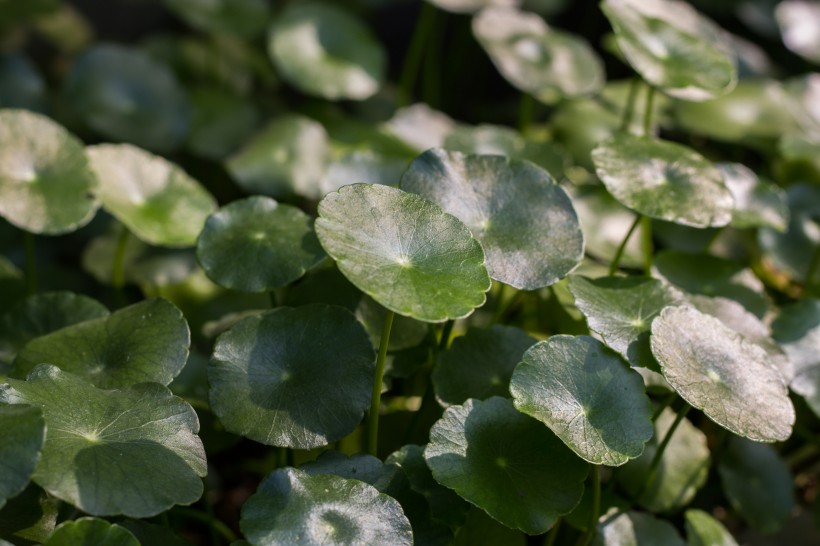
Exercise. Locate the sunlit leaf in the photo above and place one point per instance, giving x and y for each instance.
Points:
(704, 530)
(635, 529)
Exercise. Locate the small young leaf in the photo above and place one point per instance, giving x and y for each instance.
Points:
(546, 63)
(147, 341)
(293, 507)
(621, 311)
(506, 463)
(758, 483)
(479, 364)
(132, 451)
(325, 51)
(91, 532)
(23, 435)
(404, 251)
(673, 47)
(663, 180)
(587, 396)
(281, 379)
(719, 371)
(704, 530)
(155, 199)
(523, 219)
(46, 183)
(256, 245)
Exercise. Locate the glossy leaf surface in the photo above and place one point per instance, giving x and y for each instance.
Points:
(506, 463)
(524, 220)
(404, 251)
(281, 379)
(132, 451)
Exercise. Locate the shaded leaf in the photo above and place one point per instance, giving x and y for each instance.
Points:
(797, 329)
(23, 435)
(243, 17)
(91, 532)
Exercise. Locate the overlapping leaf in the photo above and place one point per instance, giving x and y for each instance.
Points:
(23, 435)
(91, 532)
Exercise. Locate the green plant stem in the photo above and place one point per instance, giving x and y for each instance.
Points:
(446, 333)
(274, 302)
(652, 472)
(587, 537)
(192, 513)
(647, 119)
(31, 265)
(525, 111)
(553, 534)
(629, 109)
(118, 267)
(613, 267)
(646, 244)
(812, 270)
(376, 397)
(412, 62)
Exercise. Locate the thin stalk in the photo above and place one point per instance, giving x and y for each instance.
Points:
(118, 267)
(587, 537)
(31, 265)
(525, 111)
(376, 397)
(274, 302)
(647, 119)
(553, 534)
(646, 244)
(656, 459)
(412, 62)
(499, 306)
(446, 332)
(210, 511)
(613, 267)
(192, 513)
(629, 109)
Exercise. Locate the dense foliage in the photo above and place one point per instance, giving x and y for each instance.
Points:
(258, 286)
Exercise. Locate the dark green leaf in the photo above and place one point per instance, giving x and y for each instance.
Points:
(30, 517)
(506, 463)
(23, 435)
(147, 341)
(524, 220)
(482, 530)
(404, 251)
(155, 199)
(243, 17)
(479, 365)
(797, 329)
(221, 122)
(46, 183)
(296, 377)
(663, 180)
(256, 245)
(132, 451)
(719, 371)
(21, 85)
(323, 50)
(293, 507)
(587, 396)
(91, 532)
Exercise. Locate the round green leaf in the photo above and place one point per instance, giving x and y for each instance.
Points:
(757, 204)
(506, 463)
(155, 199)
(663, 180)
(147, 341)
(256, 245)
(243, 17)
(758, 483)
(704, 530)
(712, 276)
(23, 435)
(152, 533)
(325, 51)
(546, 63)
(719, 371)
(281, 379)
(287, 156)
(420, 127)
(682, 470)
(293, 507)
(404, 251)
(797, 329)
(221, 121)
(621, 311)
(126, 95)
(42, 314)
(91, 532)
(523, 219)
(587, 396)
(362, 166)
(46, 184)
(673, 47)
(479, 365)
(635, 529)
(132, 451)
